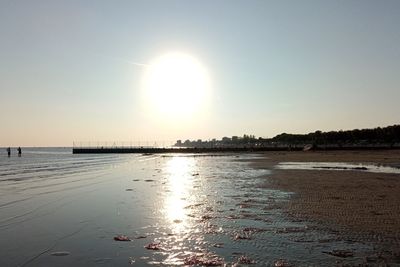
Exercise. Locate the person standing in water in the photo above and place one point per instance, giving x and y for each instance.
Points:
(19, 151)
(8, 151)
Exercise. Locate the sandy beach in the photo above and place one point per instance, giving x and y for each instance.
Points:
(360, 205)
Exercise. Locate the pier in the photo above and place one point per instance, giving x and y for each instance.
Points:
(126, 148)
(158, 150)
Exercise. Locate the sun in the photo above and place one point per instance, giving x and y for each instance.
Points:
(177, 86)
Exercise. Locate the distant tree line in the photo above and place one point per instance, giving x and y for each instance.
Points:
(387, 135)
(390, 134)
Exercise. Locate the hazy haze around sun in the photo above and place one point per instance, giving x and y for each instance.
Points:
(176, 86)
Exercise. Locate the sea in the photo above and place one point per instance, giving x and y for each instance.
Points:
(64, 209)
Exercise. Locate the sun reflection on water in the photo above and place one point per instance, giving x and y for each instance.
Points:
(179, 172)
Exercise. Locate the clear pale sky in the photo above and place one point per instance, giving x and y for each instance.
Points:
(66, 70)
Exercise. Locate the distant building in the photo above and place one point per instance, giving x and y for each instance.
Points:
(226, 139)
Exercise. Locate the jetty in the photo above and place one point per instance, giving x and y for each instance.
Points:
(158, 150)
(124, 149)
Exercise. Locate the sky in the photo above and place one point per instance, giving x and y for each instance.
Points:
(74, 70)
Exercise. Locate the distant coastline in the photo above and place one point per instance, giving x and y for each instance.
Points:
(364, 139)
(386, 137)
(244, 149)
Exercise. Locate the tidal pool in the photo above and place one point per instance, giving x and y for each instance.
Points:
(339, 166)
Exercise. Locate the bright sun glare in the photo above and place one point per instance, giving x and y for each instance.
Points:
(177, 86)
(179, 172)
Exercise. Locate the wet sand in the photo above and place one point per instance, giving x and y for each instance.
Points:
(359, 205)
(59, 209)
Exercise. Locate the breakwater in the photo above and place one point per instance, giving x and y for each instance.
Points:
(155, 150)
(158, 150)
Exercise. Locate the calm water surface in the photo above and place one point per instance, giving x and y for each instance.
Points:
(59, 209)
(338, 166)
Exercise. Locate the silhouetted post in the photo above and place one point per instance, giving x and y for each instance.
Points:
(9, 151)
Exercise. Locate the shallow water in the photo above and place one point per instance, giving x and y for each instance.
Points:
(59, 209)
(338, 166)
